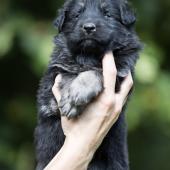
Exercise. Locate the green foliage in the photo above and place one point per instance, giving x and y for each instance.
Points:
(26, 43)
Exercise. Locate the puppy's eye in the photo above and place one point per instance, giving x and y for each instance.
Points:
(106, 13)
(74, 15)
(78, 10)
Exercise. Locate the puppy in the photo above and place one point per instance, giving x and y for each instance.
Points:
(87, 30)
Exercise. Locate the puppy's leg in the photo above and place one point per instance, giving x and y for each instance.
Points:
(47, 104)
(49, 138)
(80, 91)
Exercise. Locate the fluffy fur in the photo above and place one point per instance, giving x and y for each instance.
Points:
(87, 30)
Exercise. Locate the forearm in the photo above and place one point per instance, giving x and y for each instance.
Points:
(72, 156)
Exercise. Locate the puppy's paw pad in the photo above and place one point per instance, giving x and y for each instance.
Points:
(65, 108)
(68, 109)
(73, 113)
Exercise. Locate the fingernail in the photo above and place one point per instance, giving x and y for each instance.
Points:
(109, 53)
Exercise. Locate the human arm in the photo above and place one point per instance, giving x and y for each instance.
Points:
(85, 133)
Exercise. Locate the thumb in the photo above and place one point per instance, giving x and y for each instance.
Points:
(55, 88)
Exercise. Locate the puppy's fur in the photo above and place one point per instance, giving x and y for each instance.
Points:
(87, 30)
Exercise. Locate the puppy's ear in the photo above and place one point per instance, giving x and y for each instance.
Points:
(59, 22)
(127, 15)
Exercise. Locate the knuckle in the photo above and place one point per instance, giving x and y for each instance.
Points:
(113, 71)
(118, 105)
(130, 82)
(118, 109)
(108, 101)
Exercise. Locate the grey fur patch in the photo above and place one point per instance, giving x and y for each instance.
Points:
(49, 109)
(82, 90)
(53, 105)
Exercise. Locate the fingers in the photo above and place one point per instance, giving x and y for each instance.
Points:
(126, 87)
(55, 88)
(109, 73)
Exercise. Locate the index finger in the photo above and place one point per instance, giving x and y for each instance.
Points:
(126, 86)
(109, 72)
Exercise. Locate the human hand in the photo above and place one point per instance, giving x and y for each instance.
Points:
(100, 115)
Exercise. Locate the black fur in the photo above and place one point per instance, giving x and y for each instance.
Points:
(87, 30)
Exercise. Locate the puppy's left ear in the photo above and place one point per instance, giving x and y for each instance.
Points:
(127, 15)
(59, 22)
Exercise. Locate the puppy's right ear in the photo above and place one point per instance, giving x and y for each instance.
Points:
(127, 14)
(59, 22)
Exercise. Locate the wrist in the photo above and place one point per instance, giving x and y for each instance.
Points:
(80, 149)
(74, 155)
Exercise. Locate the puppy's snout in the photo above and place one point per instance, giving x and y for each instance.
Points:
(89, 27)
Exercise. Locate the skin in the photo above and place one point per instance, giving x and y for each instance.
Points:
(85, 133)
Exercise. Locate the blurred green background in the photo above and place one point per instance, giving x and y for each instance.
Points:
(26, 42)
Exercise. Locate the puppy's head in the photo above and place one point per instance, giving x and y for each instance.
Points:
(91, 25)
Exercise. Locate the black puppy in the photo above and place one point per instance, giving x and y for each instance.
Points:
(87, 30)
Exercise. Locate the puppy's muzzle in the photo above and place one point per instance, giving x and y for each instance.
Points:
(89, 28)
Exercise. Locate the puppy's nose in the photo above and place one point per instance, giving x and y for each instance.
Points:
(89, 27)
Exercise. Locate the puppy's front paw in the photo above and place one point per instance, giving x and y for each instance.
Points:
(85, 87)
(67, 108)
(81, 91)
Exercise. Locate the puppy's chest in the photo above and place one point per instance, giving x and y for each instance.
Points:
(89, 60)
(93, 62)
